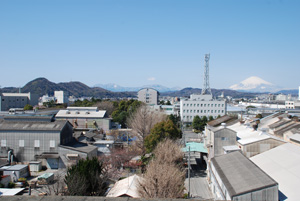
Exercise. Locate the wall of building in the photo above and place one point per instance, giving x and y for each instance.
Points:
(190, 108)
(270, 193)
(17, 100)
(255, 148)
(221, 138)
(148, 96)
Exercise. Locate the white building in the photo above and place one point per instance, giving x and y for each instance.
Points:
(201, 105)
(149, 96)
(61, 97)
(17, 100)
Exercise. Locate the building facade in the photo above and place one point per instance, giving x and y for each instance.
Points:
(17, 100)
(201, 105)
(61, 97)
(149, 96)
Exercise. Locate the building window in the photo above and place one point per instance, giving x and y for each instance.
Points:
(3, 143)
(215, 105)
(184, 117)
(201, 111)
(52, 143)
(218, 111)
(224, 138)
(184, 104)
(212, 111)
(204, 111)
(21, 143)
(187, 111)
(2, 99)
(197, 105)
(194, 111)
(187, 104)
(222, 111)
(191, 111)
(183, 110)
(215, 111)
(36, 143)
(218, 105)
(204, 105)
(207, 105)
(194, 105)
(222, 105)
(201, 105)
(197, 111)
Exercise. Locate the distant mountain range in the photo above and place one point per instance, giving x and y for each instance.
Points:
(118, 88)
(42, 86)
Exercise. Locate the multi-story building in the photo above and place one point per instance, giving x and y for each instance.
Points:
(201, 105)
(61, 97)
(149, 96)
(17, 100)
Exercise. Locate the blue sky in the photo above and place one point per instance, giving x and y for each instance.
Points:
(139, 42)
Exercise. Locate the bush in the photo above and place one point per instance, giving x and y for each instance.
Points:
(11, 185)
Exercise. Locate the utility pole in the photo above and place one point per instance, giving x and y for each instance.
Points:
(189, 172)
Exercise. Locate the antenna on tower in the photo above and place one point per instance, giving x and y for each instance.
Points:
(206, 88)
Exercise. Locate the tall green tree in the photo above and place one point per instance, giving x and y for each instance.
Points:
(197, 123)
(161, 131)
(87, 178)
(28, 107)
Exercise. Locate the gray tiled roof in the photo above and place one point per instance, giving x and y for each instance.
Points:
(240, 175)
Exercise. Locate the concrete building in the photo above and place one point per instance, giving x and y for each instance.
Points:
(61, 97)
(15, 171)
(149, 96)
(17, 100)
(234, 177)
(292, 104)
(201, 105)
(85, 118)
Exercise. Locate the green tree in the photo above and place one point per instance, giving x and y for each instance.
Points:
(175, 119)
(168, 103)
(28, 107)
(197, 123)
(161, 131)
(259, 116)
(210, 118)
(87, 178)
(203, 123)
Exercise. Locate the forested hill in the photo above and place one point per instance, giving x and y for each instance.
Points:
(42, 86)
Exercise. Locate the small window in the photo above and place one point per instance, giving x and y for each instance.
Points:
(3, 143)
(222, 111)
(36, 143)
(207, 105)
(197, 105)
(204, 111)
(194, 111)
(201, 105)
(184, 104)
(191, 111)
(215, 105)
(201, 111)
(194, 105)
(218, 105)
(204, 105)
(21, 143)
(52, 143)
(2, 99)
(197, 111)
(224, 138)
(183, 110)
(187, 104)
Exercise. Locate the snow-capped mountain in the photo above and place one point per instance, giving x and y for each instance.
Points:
(255, 84)
(118, 88)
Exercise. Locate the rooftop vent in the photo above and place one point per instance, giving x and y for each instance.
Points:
(77, 112)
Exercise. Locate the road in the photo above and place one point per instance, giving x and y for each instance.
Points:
(199, 187)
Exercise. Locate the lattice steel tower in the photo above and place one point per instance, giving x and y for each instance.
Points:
(206, 88)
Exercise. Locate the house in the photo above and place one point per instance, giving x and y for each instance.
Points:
(283, 164)
(233, 176)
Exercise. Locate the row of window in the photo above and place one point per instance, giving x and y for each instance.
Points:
(203, 111)
(22, 143)
(203, 105)
(191, 117)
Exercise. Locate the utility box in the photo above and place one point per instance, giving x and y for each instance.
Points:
(35, 166)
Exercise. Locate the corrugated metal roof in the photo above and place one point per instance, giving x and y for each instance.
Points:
(283, 164)
(295, 137)
(80, 114)
(240, 175)
(10, 191)
(195, 146)
(127, 186)
(32, 125)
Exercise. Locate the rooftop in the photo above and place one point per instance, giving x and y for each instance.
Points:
(81, 113)
(283, 164)
(127, 186)
(240, 175)
(32, 125)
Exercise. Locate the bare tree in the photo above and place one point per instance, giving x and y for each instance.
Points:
(164, 177)
(141, 122)
(162, 180)
(57, 186)
(168, 152)
(106, 105)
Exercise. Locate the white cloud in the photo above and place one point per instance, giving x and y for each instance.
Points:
(151, 78)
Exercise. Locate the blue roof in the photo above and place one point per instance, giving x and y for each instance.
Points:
(195, 146)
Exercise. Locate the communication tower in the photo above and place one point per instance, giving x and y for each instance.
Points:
(206, 88)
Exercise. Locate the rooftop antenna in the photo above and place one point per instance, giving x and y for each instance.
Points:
(206, 88)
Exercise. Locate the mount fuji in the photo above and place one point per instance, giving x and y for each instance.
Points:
(255, 84)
